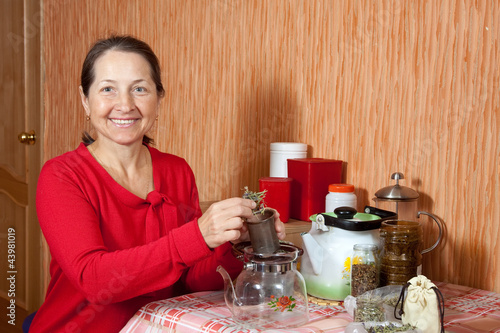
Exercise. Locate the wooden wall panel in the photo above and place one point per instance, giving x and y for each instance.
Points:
(384, 85)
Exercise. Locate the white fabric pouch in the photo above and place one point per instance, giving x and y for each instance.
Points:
(423, 306)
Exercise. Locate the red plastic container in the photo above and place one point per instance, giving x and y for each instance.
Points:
(311, 178)
(277, 195)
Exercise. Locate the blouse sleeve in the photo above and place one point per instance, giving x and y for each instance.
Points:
(203, 275)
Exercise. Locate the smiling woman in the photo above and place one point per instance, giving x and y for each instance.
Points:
(121, 218)
(122, 105)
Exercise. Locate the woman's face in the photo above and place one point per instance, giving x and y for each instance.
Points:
(122, 102)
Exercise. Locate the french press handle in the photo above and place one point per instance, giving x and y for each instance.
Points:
(439, 227)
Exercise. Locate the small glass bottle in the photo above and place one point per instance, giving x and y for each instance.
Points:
(364, 269)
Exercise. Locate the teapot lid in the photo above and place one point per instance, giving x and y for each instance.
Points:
(397, 192)
(243, 251)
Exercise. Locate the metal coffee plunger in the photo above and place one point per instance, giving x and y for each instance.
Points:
(269, 292)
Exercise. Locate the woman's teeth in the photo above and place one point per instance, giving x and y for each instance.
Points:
(122, 121)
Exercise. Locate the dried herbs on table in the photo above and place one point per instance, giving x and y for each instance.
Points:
(368, 310)
(372, 307)
(373, 311)
(389, 328)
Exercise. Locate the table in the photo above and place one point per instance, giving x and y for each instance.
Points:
(467, 310)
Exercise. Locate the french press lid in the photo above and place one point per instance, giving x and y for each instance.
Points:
(397, 192)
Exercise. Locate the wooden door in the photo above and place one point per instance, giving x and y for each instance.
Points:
(20, 95)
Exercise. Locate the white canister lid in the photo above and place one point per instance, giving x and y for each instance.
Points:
(288, 146)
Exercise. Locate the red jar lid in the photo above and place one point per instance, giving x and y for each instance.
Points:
(275, 179)
(343, 188)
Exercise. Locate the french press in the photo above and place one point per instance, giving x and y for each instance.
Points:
(403, 201)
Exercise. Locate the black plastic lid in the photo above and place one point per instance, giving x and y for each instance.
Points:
(347, 218)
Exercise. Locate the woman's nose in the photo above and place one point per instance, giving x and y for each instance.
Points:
(125, 102)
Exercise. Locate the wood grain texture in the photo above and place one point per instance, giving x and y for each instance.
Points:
(12, 89)
(409, 86)
(20, 95)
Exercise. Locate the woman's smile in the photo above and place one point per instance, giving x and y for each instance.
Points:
(123, 122)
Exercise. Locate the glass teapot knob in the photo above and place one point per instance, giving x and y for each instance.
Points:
(249, 266)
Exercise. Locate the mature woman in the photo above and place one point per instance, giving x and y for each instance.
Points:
(122, 219)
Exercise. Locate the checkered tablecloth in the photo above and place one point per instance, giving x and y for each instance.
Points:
(467, 310)
(470, 310)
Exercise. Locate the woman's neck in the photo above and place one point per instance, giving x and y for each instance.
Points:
(130, 166)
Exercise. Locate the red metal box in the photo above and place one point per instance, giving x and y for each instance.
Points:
(311, 178)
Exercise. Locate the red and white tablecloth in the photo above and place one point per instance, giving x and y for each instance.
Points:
(467, 310)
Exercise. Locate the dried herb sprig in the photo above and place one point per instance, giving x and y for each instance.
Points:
(258, 198)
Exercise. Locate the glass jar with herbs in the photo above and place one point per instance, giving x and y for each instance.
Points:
(364, 269)
(401, 258)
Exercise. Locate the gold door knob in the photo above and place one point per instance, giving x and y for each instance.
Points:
(27, 138)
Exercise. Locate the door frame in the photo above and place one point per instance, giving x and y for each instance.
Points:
(33, 64)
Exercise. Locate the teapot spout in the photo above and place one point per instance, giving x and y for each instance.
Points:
(229, 293)
(314, 251)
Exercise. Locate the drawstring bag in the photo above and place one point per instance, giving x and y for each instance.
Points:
(423, 306)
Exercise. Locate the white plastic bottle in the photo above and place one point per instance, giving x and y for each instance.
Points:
(340, 195)
(281, 152)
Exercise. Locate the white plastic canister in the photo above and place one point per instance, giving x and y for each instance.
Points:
(340, 195)
(281, 152)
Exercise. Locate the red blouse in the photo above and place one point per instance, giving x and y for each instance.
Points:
(113, 252)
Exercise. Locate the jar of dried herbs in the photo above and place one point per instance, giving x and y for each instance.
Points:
(364, 269)
(401, 258)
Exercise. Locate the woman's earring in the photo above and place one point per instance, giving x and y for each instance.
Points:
(156, 118)
(87, 118)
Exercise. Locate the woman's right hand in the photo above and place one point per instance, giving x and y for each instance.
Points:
(223, 220)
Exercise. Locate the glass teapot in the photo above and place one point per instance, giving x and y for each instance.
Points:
(269, 292)
(403, 201)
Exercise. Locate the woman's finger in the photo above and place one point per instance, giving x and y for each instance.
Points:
(280, 226)
(233, 223)
(221, 211)
(231, 203)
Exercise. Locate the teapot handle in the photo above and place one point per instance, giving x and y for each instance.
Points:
(440, 231)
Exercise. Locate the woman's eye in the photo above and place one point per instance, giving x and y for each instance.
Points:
(140, 89)
(107, 89)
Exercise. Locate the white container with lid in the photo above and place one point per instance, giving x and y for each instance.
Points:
(340, 195)
(281, 152)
